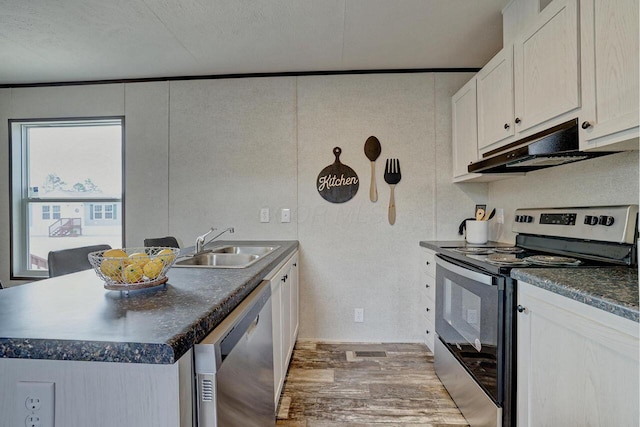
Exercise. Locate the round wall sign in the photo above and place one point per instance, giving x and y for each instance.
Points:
(337, 183)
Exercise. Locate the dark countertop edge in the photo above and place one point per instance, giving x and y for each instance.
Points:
(529, 276)
(148, 353)
(87, 351)
(436, 245)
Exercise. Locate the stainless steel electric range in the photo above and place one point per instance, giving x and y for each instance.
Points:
(475, 349)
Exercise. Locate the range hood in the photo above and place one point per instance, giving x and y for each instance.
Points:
(552, 147)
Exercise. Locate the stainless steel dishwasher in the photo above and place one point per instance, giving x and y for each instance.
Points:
(234, 367)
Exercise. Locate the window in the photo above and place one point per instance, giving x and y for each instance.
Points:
(109, 211)
(66, 188)
(46, 212)
(96, 211)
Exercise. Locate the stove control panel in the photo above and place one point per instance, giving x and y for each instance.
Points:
(558, 218)
(606, 223)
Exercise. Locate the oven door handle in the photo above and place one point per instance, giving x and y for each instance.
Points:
(464, 271)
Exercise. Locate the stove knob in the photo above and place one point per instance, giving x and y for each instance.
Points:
(518, 218)
(605, 220)
(594, 220)
(529, 218)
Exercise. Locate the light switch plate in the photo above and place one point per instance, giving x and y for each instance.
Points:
(286, 215)
(264, 215)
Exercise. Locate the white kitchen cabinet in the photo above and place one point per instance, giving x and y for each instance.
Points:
(577, 365)
(464, 129)
(427, 295)
(610, 74)
(295, 303)
(546, 66)
(276, 319)
(495, 99)
(534, 84)
(284, 309)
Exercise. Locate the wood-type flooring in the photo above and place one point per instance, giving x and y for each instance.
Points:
(360, 385)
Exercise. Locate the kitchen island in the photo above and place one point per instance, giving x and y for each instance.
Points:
(117, 359)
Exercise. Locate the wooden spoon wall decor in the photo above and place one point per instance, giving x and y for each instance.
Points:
(337, 183)
(372, 150)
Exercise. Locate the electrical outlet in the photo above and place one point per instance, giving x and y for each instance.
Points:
(33, 421)
(285, 215)
(500, 216)
(264, 215)
(358, 315)
(35, 404)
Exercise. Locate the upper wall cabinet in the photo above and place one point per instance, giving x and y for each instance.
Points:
(464, 121)
(610, 74)
(526, 87)
(547, 82)
(464, 129)
(495, 99)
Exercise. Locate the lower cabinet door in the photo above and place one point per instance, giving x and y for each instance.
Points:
(276, 312)
(577, 365)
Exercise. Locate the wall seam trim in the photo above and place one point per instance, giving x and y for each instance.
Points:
(168, 157)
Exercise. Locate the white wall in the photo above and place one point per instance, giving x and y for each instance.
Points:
(232, 152)
(609, 180)
(351, 257)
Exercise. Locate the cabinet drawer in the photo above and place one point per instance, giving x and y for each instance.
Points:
(429, 311)
(427, 287)
(428, 334)
(428, 263)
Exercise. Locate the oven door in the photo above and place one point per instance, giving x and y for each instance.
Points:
(470, 308)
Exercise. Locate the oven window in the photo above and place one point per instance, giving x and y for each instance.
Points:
(462, 311)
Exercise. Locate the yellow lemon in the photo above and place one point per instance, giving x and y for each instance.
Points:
(152, 269)
(166, 255)
(139, 258)
(132, 273)
(112, 268)
(114, 253)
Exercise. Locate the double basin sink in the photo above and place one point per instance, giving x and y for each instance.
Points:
(226, 257)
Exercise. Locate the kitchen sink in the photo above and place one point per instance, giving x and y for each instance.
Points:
(226, 257)
(241, 250)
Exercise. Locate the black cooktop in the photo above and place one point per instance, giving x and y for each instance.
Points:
(500, 260)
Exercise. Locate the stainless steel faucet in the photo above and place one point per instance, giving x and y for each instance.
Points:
(200, 240)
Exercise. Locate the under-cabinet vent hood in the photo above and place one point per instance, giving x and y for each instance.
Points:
(552, 147)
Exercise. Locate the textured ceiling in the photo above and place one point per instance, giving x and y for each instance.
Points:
(82, 40)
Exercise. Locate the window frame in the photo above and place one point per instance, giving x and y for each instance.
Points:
(19, 191)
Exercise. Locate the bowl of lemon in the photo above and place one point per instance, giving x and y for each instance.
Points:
(133, 268)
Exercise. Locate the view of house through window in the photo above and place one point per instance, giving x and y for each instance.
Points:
(67, 188)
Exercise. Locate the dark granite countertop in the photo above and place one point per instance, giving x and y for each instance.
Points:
(613, 289)
(73, 317)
